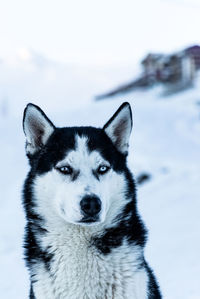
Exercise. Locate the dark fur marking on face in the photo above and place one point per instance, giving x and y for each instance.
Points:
(63, 140)
(75, 175)
(95, 174)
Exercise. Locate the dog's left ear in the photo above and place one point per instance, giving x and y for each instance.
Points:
(118, 128)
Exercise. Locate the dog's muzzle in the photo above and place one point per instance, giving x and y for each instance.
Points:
(90, 208)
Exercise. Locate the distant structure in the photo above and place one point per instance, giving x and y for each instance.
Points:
(194, 52)
(175, 72)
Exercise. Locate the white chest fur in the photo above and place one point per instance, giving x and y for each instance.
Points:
(80, 271)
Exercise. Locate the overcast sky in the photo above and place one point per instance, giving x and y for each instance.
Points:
(97, 32)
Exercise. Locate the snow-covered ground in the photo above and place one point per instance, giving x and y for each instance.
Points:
(165, 143)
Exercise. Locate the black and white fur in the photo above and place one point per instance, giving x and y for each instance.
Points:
(70, 254)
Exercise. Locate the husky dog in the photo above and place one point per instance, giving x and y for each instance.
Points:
(84, 238)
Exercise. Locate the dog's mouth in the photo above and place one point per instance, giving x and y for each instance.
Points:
(89, 220)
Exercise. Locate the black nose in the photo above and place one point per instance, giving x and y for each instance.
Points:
(90, 205)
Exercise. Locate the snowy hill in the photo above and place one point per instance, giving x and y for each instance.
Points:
(165, 143)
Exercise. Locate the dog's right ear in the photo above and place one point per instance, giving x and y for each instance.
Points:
(37, 128)
(119, 127)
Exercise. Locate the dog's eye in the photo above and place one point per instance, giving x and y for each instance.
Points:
(102, 169)
(65, 170)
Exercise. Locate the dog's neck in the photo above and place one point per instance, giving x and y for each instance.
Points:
(78, 268)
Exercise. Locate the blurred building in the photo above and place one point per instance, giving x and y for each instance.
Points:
(175, 72)
(174, 68)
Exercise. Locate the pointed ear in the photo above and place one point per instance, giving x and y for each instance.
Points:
(37, 128)
(118, 128)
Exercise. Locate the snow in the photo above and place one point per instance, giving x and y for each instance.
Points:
(104, 32)
(165, 143)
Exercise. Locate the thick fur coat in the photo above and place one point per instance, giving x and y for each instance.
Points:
(84, 238)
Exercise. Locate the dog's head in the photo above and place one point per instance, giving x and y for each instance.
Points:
(78, 173)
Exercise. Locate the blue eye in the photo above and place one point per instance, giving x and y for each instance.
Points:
(102, 169)
(67, 170)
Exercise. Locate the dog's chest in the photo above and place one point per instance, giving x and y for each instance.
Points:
(80, 271)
